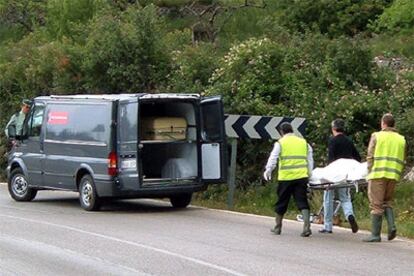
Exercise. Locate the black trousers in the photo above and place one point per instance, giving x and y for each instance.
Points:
(286, 189)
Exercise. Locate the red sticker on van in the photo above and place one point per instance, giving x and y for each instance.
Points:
(57, 118)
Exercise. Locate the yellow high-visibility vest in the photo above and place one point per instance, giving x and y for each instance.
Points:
(388, 156)
(293, 162)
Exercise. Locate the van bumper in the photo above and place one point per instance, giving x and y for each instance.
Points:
(112, 188)
(105, 188)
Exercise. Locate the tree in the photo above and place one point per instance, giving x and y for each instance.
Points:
(336, 18)
(66, 18)
(208, 24)
(25, 13)
(398, 16)
(125, 52)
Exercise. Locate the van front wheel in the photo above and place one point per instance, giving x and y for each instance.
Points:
(87, 194)
(181, 200)
(19, 187)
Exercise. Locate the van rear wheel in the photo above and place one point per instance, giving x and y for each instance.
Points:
(181, 200)
(88, 197)
(19, 186)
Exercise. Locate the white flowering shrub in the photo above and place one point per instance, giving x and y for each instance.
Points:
(250, 77)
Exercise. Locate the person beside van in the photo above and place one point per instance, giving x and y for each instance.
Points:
(14, 127)
(295, 159)
(339, 146)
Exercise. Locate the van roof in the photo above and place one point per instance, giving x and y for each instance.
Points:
(114, 97)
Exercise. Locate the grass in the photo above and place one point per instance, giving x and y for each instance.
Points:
(260, 200)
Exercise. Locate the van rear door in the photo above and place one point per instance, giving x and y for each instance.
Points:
(128, 150)
(213, 141)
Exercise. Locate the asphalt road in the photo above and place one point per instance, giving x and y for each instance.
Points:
(53, 236)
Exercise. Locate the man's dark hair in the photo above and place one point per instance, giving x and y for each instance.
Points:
(286, 128)
(338, 125)
(27, 102)
(388, 119)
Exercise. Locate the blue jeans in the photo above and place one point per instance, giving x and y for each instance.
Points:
(346, 204)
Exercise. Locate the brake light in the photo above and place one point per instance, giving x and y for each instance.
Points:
(112, 164)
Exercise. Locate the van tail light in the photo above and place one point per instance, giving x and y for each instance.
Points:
(112, 164)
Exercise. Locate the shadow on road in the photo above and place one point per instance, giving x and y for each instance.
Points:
(118, 206)
(141, 206)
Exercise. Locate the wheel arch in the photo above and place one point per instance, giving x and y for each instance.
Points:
(17, 163)
(81, 172)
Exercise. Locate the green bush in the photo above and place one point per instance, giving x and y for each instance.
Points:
(192, 68)
(27, 15)
(251, 70)
(334, 18)
(400, 15)
(126, 53)
(405, 124)
(68, 18)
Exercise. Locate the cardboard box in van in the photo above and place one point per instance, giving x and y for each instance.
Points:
(164, 128)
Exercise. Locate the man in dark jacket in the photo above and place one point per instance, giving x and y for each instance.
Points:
(339, 146)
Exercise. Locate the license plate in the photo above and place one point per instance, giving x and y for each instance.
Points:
(129, 164)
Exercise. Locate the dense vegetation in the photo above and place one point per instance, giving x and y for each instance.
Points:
(319, 59)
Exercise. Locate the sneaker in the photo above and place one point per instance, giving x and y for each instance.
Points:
(324, 231)
(353, 223)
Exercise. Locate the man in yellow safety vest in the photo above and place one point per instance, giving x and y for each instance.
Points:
(386, 155)
(295, 165)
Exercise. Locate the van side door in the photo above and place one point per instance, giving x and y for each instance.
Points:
(213, 141)
(31, 146)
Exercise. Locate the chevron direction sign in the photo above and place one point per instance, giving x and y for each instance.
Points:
(260, 127)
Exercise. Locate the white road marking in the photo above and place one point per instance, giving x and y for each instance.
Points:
(136, 244)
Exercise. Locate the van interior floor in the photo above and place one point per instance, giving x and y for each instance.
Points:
(169, 161)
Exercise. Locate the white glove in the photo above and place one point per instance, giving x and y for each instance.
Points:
(267, 175)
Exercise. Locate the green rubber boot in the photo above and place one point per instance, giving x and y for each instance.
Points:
(277, 230)
(306, 223)
(376, 229)
(392, 229)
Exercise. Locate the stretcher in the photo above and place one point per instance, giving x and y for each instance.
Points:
(335, 185)
(325, 186)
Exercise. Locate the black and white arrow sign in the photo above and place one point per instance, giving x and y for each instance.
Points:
(260, 127)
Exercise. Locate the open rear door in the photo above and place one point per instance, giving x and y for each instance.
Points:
(128, 149)
(213, 146)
